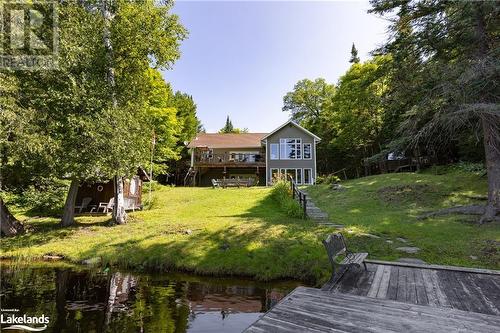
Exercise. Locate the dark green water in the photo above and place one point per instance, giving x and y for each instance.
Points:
(114, 301)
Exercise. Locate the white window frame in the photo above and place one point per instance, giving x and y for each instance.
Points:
(310, 151)
(311, 180)
(297, 145)
(281, 171)
(277, 156)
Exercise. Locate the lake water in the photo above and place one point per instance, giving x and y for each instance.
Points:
(116, 301)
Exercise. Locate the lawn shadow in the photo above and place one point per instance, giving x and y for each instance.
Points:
(44, 230)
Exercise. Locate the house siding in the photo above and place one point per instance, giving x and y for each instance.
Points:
(291, 131)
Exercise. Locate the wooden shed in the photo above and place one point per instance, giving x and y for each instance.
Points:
(103, 192)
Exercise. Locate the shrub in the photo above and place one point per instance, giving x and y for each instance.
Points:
(328, 179)
(44, 198)
(282, 193)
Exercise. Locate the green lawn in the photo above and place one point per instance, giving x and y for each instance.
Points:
(243, 232)
(387, 206)
(205, 230)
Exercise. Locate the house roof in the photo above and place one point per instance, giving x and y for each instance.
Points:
(296, 125)
(229, 140)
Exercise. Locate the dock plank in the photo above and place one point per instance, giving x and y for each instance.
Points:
(314, 310)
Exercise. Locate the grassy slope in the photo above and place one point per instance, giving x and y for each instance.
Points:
(241, 232)
(233, 231)
(379, 205)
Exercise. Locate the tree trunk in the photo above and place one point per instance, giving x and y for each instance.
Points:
(9, 225)
(68, 217)
(491, 127)
(491, 124)
(119, 214)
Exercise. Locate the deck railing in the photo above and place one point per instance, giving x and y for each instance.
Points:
(229, 158)
(298, 195)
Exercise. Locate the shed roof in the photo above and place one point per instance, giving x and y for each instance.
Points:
(227, 140)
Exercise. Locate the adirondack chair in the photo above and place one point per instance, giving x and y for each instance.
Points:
(215, 183)
(335, 246)
(84, 204)
(106, 206)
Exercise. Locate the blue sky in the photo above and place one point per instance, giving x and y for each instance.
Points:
(242, 57)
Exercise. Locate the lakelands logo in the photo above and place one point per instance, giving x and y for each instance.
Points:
(24, 322)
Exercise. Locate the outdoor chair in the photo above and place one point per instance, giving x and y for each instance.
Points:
(83, 206)
(106, 206)
(215, 183)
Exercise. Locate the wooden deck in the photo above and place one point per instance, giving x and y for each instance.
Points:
(392, 297)
(432, 287)
(314, 310)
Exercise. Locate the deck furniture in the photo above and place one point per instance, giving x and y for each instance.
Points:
(335, 246)
(215, 183)
(106, 206)
(83, 206)
(234, 182)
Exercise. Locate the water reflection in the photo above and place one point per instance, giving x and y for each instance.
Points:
(88, 301)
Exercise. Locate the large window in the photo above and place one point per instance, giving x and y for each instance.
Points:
(308, 176)
(275, 154)
(296, 174)
(290, 149)
(307, 151)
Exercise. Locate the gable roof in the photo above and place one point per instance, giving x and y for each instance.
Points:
(296, 125)
(227, 140)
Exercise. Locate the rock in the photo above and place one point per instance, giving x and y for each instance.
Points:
(337, 187)
(188, 231)
(408, 249)
(51, 257)
(369, 235)
(389, 241)
(411, 261)
(224, 247)
(92, 261)
(473, 257)
(402, 240)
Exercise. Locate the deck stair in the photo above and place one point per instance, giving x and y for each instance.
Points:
(316, 214)
(190, 177)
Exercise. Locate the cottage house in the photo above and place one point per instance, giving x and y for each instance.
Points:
(288, 150)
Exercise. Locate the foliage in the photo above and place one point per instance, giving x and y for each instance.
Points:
(445, 74)
(328, 179)
(45, 198)
(354, 55)
(73, 123)
(229, 128)
(439, 79)
(348, 117)
(282, 194)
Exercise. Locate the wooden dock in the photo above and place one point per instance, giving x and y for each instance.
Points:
(392, 297)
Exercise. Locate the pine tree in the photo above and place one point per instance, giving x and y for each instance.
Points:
(228, 128)
(354, 55)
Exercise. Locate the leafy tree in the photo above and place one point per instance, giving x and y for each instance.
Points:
(358, 110)
(354, 55)
(452, 50)
(93, 109)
